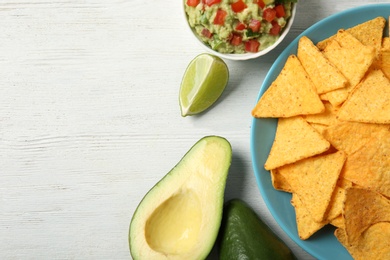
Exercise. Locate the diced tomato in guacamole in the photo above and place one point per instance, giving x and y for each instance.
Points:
(206, 33)
(220, 17)
(193, 3)
(238, 26)
(236, 39)
(260, 3)
(275, 30)
(254, 25)
(211, 2)
(252, 46)
(238, 6)
(269, 14)
(279, 11)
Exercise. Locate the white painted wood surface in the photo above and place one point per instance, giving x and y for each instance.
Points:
(90, 121)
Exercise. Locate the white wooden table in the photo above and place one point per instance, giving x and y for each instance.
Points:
(90, 120)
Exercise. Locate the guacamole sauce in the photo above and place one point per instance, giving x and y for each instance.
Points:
(238, 26)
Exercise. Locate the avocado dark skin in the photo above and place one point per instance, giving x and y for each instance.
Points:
(244, 236)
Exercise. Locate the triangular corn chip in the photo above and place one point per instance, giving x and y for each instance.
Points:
(386, 43)
(305, 223)
(279, 182)
(294, 140)
(384, 57)
(292, 93)
(353, 62)
(369, 166)
(342, 238)
(305, 175)
(363, 208)
(324, 97)
(350, 136)
(369, 33)
(319, 127)
(369, 101)
(328, 117)
(338, 221)
(336, 204)
(325, 76)
(344, 183)
(359, 56)
(374, 243)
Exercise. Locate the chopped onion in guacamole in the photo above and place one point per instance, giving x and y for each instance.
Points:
(238, 26)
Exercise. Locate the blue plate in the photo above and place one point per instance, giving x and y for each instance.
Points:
(323, 244)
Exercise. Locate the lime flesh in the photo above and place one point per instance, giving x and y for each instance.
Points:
(203, 83)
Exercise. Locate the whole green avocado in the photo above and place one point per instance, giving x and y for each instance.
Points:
(244, 235)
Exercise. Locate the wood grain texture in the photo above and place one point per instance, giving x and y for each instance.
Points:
(90, 121)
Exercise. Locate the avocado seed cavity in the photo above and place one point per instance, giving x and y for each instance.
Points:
(174, 227)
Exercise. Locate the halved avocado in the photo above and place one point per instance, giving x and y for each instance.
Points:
(179, 218)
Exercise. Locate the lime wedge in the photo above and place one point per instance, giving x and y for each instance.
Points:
(203, 83)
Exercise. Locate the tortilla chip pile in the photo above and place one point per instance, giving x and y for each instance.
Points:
(332, 142)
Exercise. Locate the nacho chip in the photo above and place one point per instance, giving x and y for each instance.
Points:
(335, 207)
(354, 251)
(324, 97)
(320, 128)
(344, 183)
(359, 56)
(342, 237)
(338, 221)
(325, 76)
(363, 208)
(305, 223)
(350, 136)
(384, 57)
(279, 182)
(370, 100)
(369, 33)
(292, 93)
(386, 43)
(374, 243)
(347, 40)
(305, 175)
(328, 117)
(294, 140)
(353, 62)
(369, 166)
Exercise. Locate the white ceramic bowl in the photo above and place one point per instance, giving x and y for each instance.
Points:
(248, 55)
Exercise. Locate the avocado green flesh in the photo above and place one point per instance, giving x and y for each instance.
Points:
(179, 218)
(244, 235)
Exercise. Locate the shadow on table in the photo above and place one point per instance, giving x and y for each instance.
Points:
(236, 179)
(234, 189)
